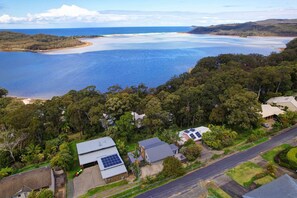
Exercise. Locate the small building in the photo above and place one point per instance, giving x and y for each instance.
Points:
(192, 133)
(154, 150)
(102, 152)
(20, 185)
(138, 118)
(269, 112)
(283, 187)
(288, 102)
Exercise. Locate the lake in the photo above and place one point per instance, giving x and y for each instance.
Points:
(125, 56)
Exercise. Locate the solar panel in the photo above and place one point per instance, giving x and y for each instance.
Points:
(198, 134)
(192, 136)
(111, 160)
(191, 129)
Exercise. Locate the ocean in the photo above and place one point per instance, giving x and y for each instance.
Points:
(124, 56)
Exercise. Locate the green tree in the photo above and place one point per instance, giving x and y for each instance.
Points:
(5, 172)
(219, 137)
(3, 92)
(32, 154)
(63, 158)
(191, 152)
(172, 167)
(126, 126)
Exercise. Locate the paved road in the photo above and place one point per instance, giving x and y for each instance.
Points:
(183, 183)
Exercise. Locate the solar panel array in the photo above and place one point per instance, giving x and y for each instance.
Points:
(192, 136)
(198, 134)
(111, 160)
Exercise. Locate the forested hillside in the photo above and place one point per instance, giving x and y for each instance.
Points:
(12, 41)
(271, 27)
(222, 90)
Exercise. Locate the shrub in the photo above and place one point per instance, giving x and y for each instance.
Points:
(172, 167)
(256, 134)
(192, 151)
(5, 172)
(271, 169)
(189, 142)
(219, 137)
(292, 157)
(44, 193)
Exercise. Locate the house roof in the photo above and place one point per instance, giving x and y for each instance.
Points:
(192, 133)
(137, 116)
(94, 145)
(268, 110)
(173, 147)
(111, 171)
(284, 186)
(150, 142)
(35, 179)
(92, 156)
(159, 152)
(288, 101)
(133, 159)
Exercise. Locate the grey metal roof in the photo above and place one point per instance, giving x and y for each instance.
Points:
(159, 152)
(133, 159)
(284, 186)
(150, 142)
(173, 147)
(94, 145)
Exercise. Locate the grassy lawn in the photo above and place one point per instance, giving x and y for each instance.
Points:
(264, 180)
(132, 147)
(215, 192)
(252, 144)
(269, 155)
(75, 166)
(99, 189)
(244, 173)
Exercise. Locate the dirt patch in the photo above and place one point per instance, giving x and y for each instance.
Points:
(90, 178)
(152, 169)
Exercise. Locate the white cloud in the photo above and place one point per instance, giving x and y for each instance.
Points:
(75, 16)
(66, 13)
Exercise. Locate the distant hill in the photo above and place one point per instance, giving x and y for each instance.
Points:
(270, 27)
(12, 41)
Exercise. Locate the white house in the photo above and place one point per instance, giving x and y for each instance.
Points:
(284, 101)
(103, 152)
(192, 133)
(269, 111)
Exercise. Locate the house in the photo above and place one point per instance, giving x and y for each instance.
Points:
(284, 102)
(192, 133)
(137, 118)
(283, 187)
(102, 152)
(154, 150)
(269, 112)
(20, 185)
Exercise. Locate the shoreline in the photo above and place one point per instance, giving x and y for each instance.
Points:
(84, 44)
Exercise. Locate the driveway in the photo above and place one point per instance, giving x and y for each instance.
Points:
(152, 169)
(90, 178)
(189, 180)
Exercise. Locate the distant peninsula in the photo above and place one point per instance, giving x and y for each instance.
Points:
(12, 41)
(270, 27)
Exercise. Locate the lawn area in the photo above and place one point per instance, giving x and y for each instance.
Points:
(215, 192)
(264, 180)
(99, 189)
(132, 147)
(75, 166)
(269, 155)
(244, 173)
(252, 144)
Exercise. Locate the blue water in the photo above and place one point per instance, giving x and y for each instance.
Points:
(125, 60)
(100, 31)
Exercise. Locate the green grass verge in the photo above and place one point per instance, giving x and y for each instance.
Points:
(264, 180)
(214, 192)
(252, 144)
(99, 189)
(269, 155)
(244, 173)
(75, 166)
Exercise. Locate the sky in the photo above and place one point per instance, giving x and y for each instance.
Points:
(121, 13)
